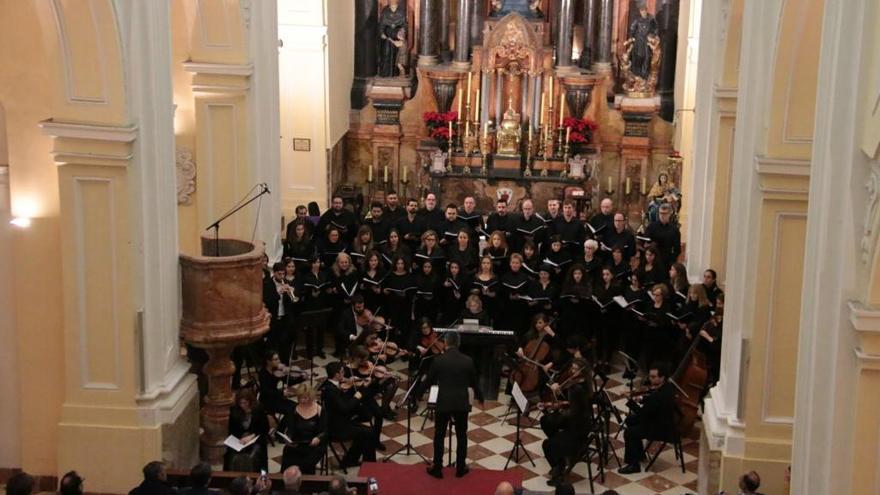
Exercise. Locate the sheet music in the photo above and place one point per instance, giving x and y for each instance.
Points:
(432, 394)
(521, 402)
(235, 444)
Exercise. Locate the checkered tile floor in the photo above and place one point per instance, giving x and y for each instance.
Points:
(490, 442)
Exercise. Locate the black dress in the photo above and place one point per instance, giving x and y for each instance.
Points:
(516, 311)
(398, 291)
(301, 431)
(371, 289)
(500, 258)
(427, 297)
(467, 260)
(437, 257)
(256, 456)
(454, 291)
(607, 325)
(328, 251)
(574, 311)
(544, 297)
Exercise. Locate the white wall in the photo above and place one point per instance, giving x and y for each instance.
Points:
(315, 70)
(10, 447)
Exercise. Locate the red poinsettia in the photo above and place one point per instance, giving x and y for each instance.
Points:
(438, 123)
(581, 129)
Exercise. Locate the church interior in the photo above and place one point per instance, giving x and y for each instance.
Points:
(164, 158)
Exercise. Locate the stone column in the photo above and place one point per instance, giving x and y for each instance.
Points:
(427, 33)
(667, 20)
(589, 23)
(445, 6)
(606, 20)
(366, 18)
(463, 35)
(563, 34)
(478, 14)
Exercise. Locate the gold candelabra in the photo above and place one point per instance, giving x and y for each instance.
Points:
(484, 151)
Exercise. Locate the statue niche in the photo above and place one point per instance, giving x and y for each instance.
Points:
(393, 49)
(640, 61)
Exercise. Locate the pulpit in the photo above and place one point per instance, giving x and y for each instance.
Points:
(222, 308)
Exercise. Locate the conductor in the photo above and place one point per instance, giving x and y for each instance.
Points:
(453, 372)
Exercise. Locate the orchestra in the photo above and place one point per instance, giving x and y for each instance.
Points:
(548, 303)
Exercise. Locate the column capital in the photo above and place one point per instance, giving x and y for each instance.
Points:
(90, 144)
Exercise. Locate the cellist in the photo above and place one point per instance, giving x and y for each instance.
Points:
(567, 419)
(533, 355)
(655, 420)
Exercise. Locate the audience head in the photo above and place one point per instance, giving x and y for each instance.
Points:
(338, 486)
(155, 471)
(71, 484)
(504, 488)
(292, 478)
(200, 475)
(749, 482)
(314, 209)
(564, 489)
(610, 492)
(20, 484)
(301, 211)
(240, 486)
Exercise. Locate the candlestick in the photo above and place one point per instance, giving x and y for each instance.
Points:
(370, 173)
(467, 136)
(628, 185)
(459, 102)
(561, 105)
(609, 183)
(470, 76)
(477, 110)
(543, 105)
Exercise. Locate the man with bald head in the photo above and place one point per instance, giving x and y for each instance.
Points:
(431, 215)
(292, 481)
(469, 214)
(526, 227)
(603, 221)
(506, 488)
(619, 236)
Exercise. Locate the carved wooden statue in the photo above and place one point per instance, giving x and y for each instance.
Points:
(640, 61)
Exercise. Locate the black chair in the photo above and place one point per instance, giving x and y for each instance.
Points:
(675, 440)
(332, 449)
(592, 448)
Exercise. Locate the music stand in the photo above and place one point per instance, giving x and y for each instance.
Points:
(411, 403)
(521, 404)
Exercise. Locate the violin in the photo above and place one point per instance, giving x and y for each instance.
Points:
(432, 344)
(387, 348)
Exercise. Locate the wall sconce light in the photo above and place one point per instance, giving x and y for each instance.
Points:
(21, 222)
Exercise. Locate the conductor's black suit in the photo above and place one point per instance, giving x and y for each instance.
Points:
(453, 372)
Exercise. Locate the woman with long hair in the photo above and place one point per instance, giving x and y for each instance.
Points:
(300, 246)
(330, 246)
(372, 276)
(484, 284)
(431, 251)
(395, 247)
(498, 251)
(464, 253)
(427, 292)
(453, 292)
(574, 304)
(398, 289)
(363, 244)
(653, 271)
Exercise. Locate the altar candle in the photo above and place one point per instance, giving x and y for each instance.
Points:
(459, 102)
(404, 175)
(628, 185)
(550, 90)
(644, 187)
(609, 184)
(470, 76)
(567, 134)
(530, 138)
(485, 129)
(450, 130)
(561, 108)
(543, 105)
(477, 109)
(370, 173)
(385, 176)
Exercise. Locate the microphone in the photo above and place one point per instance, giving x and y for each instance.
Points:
(266, 187)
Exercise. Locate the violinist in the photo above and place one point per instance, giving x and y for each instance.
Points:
(567, 419)
(376, 384)
(424, 344)
(275, 384)
(343, 407)
(655, 420)
(351, 324)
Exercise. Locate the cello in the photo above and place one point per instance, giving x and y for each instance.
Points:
(528, 371)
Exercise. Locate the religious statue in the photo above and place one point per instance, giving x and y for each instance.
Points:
(525, 8)
(663, 191)
(508, 135)
(392, 40)
(640, 61)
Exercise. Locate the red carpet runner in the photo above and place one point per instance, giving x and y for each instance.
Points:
(401, 479)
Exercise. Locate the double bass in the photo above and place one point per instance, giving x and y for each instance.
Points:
(691, 377)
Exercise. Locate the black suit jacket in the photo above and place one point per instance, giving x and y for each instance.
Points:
(341, 406)
(658, 412)
(454, 372)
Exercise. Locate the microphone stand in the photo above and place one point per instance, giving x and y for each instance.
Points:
(216, 224)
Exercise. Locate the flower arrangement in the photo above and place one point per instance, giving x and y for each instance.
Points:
(438, 124)
(581, 130)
